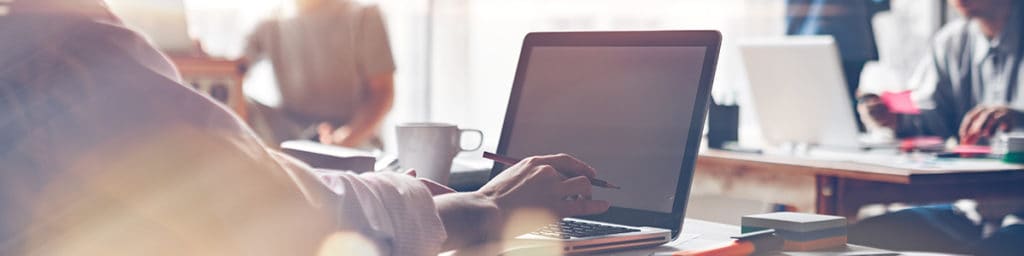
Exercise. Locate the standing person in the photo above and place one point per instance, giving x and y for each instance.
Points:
(969, 85)
(334, 69)
(105, 152)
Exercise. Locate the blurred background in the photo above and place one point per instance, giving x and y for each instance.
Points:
(451, 54)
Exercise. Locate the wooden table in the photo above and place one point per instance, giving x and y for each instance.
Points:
(843, 187)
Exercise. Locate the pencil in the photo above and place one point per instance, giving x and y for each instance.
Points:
(511, 161)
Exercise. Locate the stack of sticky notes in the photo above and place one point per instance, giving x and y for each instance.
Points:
(801, 231)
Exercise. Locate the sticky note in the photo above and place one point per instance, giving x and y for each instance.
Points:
(900, 103)
(972, 150)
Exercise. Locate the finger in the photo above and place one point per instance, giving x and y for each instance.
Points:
(868, 97)
(967, 122)
(977, 129)
(578, 185)
(548, 173)
(411, 172)
(326, 132)
(565, 164)
(995, 121)
(583, 207)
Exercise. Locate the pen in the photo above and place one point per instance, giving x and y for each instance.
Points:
(511, 161)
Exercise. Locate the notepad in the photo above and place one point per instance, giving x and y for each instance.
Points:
(801, 231)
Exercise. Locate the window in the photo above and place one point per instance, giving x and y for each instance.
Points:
(476, 44)
(456, 58)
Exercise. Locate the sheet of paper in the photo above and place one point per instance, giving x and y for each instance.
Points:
(900, 102)
(940, 165)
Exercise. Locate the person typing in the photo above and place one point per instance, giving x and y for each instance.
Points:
(107, 153)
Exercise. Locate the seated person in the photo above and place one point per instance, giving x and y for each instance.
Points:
(334, 70)
(106, 153)
(969, 86)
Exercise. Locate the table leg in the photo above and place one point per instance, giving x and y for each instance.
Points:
(827, 200)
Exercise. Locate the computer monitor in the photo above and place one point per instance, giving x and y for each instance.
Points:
(630, 104)
(799, 92)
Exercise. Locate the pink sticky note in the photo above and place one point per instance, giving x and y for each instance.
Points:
(900, 103)
(972, 149)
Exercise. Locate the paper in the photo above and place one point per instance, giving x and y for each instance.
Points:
(942, 165)
(900, 103)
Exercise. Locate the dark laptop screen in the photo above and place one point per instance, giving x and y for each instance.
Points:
(626, 110)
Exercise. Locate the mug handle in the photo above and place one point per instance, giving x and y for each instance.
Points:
(478, 133)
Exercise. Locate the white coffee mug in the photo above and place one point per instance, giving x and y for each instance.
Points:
(430, 148)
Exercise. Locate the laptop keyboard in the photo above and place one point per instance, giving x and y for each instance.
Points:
(568, 229)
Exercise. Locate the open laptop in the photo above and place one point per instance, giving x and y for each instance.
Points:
(632, 105)
(799, 94)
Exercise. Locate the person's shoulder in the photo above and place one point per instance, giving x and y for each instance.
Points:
(952, 35)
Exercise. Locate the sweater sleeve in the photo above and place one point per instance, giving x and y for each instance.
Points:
(395, 210)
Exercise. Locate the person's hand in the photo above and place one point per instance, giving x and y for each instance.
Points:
(983, 122)
(338, 137)
(874, 113)
(557, 183)
(541, 183)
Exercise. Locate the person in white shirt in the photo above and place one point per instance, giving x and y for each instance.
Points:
(334, 69)
(106, 153)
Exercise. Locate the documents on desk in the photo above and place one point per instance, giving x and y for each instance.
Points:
(941, 165)
(916, 163)
(694, 241)
(699, 234)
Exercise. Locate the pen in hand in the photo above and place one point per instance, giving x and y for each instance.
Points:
(511, 161)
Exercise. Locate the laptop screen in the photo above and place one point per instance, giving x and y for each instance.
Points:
(625, 110)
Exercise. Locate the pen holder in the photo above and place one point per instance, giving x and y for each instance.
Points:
(723, 125)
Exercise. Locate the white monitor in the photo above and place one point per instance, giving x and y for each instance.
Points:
(799, 92)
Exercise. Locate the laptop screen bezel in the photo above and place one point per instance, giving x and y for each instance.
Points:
(710, 40)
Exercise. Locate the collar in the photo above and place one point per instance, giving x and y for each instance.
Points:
(1006, 42)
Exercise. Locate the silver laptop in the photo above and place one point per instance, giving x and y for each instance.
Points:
(632, 105)
(799, 94)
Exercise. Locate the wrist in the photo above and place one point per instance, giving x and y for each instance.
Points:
(492, 218)
(469, 218)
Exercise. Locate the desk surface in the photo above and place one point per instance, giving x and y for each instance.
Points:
(718, 159)
(698, 234)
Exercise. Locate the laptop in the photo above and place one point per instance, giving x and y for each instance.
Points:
(630, 104)
(799, 94)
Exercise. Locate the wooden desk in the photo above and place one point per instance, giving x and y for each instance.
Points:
(842, 188)
(711, 234)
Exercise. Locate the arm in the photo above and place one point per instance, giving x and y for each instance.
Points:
(931, 91)
(377, 65)
(368, 118)
(254, 47)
